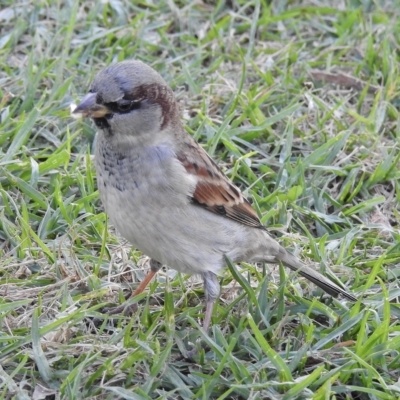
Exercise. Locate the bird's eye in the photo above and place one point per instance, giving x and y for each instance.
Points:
(124, 107)
(127, 105)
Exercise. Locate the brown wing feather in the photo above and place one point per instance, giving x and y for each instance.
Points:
(214, 191)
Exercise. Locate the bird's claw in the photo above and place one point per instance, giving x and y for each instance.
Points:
(124, 309)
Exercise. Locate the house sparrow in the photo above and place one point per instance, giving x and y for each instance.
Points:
(164, 193)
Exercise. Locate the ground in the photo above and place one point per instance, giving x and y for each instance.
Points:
(298, 102)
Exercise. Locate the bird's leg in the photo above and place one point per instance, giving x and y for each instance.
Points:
(132, 308)
(212, 289)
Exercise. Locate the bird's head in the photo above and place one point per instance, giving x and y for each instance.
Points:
(129, 99)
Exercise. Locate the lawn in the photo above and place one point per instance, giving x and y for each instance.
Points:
(298, 102)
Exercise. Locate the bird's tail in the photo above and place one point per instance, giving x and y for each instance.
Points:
(312, 275)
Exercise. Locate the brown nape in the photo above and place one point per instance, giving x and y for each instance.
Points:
(157, 94)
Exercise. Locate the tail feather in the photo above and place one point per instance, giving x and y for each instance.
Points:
(312, 275)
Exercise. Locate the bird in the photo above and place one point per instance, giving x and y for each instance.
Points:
(165, 194)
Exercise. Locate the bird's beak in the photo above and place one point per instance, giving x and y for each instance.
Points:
(89, 108)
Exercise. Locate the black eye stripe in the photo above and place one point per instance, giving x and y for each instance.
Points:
(123, 106)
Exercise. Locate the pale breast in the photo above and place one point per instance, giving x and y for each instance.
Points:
(144, 193)
(147, 197)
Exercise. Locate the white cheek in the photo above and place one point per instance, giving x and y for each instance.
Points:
(142, 122)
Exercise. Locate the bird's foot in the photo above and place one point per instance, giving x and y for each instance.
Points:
(123, 309)
(188, 356)
(191, 353)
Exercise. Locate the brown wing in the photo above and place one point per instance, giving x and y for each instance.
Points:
(214, 191)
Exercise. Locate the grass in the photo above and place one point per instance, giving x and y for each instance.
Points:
(299, 103)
